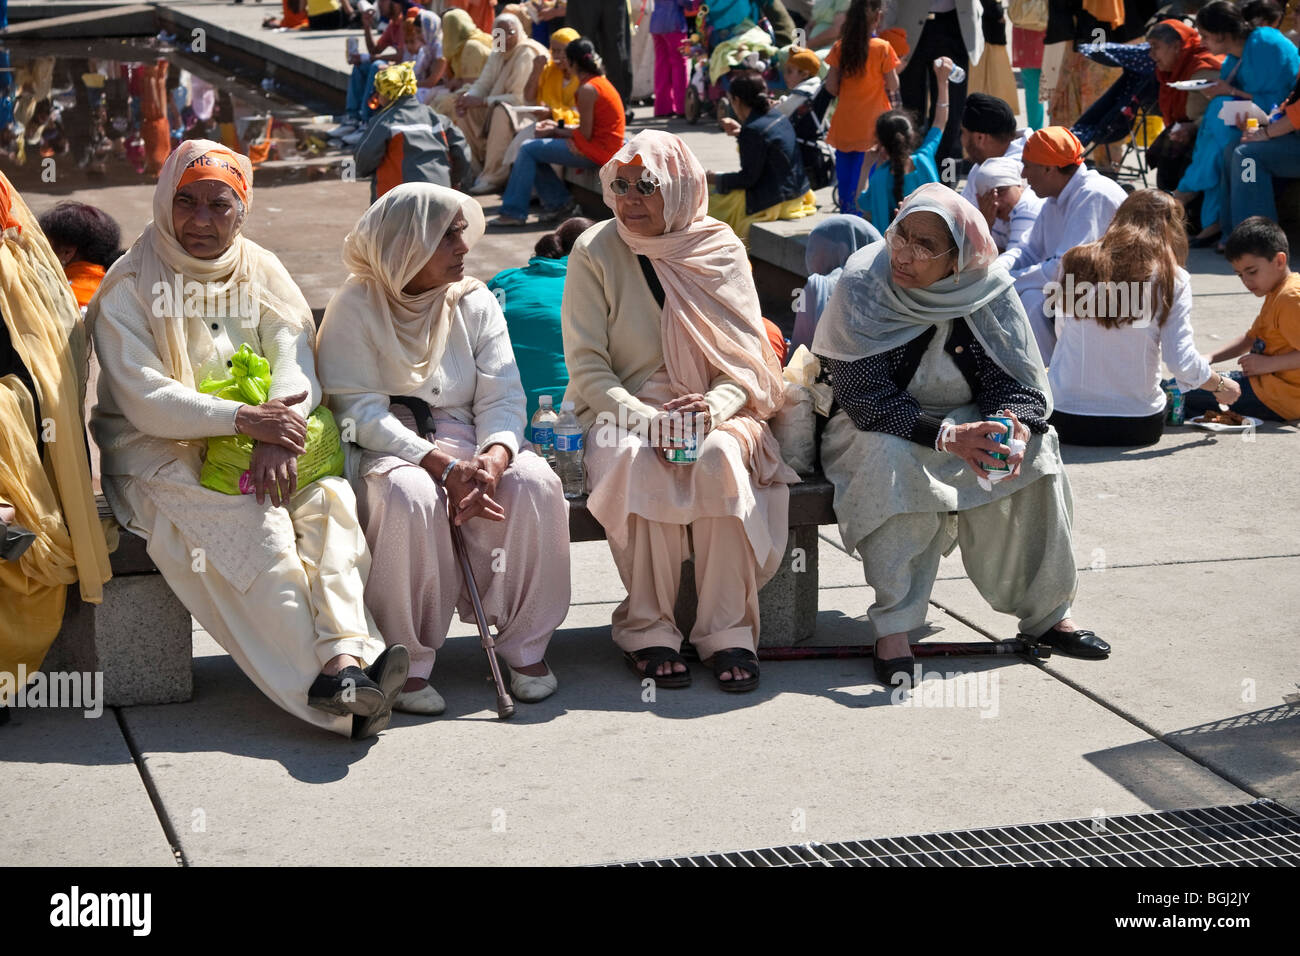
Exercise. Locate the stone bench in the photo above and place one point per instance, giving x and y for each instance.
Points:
(140, 637)
(788, 602)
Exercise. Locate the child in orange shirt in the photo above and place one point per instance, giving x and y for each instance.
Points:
(863, 77)
(1268, 385)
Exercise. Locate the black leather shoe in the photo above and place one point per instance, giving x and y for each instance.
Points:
(14, 541)
(350, 691)
(389, 672)
(1082, 644)
(888, 667)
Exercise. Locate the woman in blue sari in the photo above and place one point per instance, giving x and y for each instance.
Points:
(1260, 64)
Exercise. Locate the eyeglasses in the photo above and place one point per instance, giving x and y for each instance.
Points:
(916, 252)
(620, 186)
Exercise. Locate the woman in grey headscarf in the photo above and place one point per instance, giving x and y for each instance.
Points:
(829, 246)
(924, 340)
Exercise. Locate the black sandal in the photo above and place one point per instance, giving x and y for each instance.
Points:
(730, 657)
(652, 657)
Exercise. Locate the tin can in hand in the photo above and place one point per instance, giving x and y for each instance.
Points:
(1009, 425)
(684, 450)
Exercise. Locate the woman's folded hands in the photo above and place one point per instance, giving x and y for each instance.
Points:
(280, 434)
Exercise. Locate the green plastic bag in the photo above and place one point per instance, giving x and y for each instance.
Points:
(225, 469)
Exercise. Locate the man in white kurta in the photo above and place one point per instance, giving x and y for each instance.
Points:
(1078, 206)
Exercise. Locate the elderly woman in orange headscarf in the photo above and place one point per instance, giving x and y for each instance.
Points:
(672, 372)
(50, 536)
(276, 575)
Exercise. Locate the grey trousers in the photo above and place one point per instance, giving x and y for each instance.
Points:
(1017, 551)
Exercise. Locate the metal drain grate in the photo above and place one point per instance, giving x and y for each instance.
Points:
(1255, 834)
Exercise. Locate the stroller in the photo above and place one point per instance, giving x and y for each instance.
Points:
(1120, 114)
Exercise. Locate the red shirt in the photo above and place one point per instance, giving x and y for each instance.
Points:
(608, 119)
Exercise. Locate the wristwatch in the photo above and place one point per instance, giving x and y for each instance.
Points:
(1223, 384)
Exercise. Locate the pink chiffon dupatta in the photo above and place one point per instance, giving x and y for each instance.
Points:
(712, 324)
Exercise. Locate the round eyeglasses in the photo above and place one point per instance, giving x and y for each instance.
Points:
(916, 252)
(645, 186)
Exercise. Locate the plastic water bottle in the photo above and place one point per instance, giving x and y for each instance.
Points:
(543, 429)
(958, 75)
(568, 452)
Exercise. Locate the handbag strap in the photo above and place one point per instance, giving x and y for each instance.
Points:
(652, 280)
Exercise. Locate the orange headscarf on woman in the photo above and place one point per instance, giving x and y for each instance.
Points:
(1193, 58)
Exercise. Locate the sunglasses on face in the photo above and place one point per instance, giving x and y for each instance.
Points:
(620, 186)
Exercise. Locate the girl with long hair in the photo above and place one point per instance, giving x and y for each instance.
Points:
(1122, 303)
(901, 160)
(863, 77)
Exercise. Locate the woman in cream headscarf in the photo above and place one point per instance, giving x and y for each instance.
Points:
(409, 330)
(467, 50)
(50, 535)
(279, 584)
(924, 338)
(502, 81)
(676, 331)
(550, 93)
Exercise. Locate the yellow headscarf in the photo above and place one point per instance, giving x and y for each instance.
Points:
(53, 498)
(554, 90)
(396, 81)
(458, 29)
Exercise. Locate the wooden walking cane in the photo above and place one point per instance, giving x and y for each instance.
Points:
(425, 426)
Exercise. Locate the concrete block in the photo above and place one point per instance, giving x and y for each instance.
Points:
(787, 603)
(140, 638)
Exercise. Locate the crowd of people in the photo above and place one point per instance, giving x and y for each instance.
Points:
(963, 334)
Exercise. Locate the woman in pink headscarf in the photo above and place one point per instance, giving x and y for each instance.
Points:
(665, 346)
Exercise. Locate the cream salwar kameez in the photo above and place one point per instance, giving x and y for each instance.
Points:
(520, 565)
(281, 589)
(448, 347)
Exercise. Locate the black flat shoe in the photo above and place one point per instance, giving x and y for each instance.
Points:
(14, 540)
(1082, 644)
(350, 691)
(886, 669)
(389, 672)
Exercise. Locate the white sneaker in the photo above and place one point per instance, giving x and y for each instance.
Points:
(425, 701)
(532, 689)
(354, 137)
(481, 188)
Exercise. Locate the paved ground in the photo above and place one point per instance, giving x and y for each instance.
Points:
(1191, 569)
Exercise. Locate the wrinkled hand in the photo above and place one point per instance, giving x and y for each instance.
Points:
(275, 422)
(944, 69)
(682, 412)
(493, 462)
(467, 495)
(972, 444)
(274, 470)
(544, 128)
(729, 126)
(989, 207)
(1020, 432)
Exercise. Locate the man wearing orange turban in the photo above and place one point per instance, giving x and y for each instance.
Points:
(1079, 205)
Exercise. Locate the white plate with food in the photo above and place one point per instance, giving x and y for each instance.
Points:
(1191, 84)
(1225, 422)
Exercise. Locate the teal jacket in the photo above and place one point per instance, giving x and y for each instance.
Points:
(530, 298)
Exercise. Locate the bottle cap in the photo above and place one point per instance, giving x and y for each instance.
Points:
(566, 406)
(544, 400)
